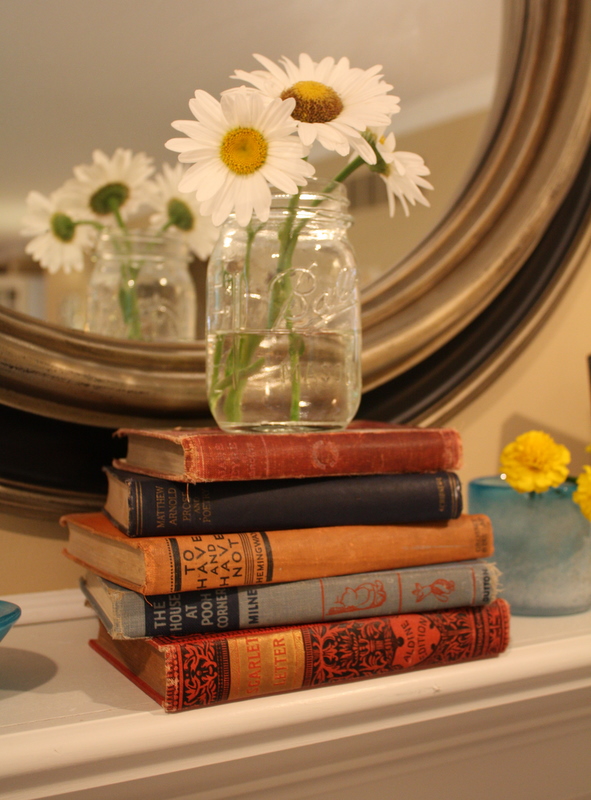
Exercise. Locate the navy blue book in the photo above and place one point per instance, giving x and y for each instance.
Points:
(141, 505)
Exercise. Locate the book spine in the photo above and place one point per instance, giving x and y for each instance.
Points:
(222, 668)
(220, 560)
(216, 458)
(340, 597)
(160, 507)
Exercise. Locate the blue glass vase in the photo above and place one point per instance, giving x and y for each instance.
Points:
(542, 546)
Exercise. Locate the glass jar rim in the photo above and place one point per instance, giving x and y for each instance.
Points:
(316, 189)
(173, 244)
(313, 204)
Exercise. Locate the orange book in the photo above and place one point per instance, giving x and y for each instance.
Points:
(206, 669)
(167, 564)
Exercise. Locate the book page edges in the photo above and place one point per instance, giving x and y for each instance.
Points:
(97, 646)
(109, 576)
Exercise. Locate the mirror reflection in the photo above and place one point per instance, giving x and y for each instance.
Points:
(86, 77)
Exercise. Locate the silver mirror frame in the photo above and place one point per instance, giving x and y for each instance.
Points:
(539, 134)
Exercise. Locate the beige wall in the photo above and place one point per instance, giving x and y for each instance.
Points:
(546, 387)
(32, 560)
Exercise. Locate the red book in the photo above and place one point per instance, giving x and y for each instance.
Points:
(208, 669)
(364, 448)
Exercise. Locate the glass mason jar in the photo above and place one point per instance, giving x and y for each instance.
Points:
(141, 288)
(542, 546)
(283, 317)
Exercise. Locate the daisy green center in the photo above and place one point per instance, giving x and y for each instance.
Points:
(244, 150)
(63, 227)
(109, 198)
(180, 215)
(315, 102)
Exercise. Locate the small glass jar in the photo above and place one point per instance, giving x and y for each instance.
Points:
(283, 317)
(141, 288)
(542, 546)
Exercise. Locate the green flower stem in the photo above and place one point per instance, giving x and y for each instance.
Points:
(115, 208)
(345, 172)
(237, 369)
(296, 349)
(128, 300)
(250, 237)
(92, 222)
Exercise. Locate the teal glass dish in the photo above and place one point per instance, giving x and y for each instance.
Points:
(542, 546)
(9, 613)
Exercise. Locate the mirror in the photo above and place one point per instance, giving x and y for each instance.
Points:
(437, 326)
(441, 57)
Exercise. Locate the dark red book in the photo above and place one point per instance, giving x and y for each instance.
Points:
(209, 454)
(208, 669)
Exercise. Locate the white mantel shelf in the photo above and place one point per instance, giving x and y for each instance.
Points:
(516, 727)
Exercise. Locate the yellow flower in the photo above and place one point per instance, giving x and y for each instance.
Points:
(583, 494)
(534, 462)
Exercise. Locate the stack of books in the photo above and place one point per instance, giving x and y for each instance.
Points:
(226, 566)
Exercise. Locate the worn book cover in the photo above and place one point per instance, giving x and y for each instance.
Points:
(209, 454)
(169, 564)
(130, 615)
(141, 505)
(207, 669)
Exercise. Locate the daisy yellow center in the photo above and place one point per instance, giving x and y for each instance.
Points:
(315, 102)
(244, 150)
(109, 198)
(62, 227)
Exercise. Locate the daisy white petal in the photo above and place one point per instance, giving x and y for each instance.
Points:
(180, 145)
(59, 242)
(234, 147)
(272, 68)
(328, 94)
(222, 203)
(187, 126)
(181, 211)
(205, 108)
(402, 172)
(279, 179)
(308, 134)
(363, 149)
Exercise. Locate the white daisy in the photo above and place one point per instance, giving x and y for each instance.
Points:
(181, 211)
(238, 148)
(59, 242)
(402, 172)
(335, 103)
(108, 187)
